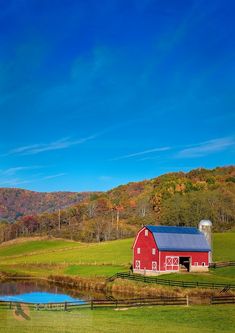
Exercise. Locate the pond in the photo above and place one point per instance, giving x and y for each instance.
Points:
(41, 292)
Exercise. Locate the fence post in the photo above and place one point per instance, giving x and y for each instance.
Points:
(10, 305)
(187, 300)
(65, 306)
(92, 304)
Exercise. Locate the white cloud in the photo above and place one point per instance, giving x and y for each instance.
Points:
(150, 158)
(13, 182)
(13, 171)
(43, 147)
(207, 147)
(149, 151)
(54, 176)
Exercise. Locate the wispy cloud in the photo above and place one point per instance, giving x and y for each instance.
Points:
(105, 178)
(207, 147)
(148, 151)
(54, 176)
(43, 147)
(150, 158)
(14, 182)
(13, 171)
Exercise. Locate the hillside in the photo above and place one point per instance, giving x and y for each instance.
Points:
(42, 257)
(171, 199)
(18, 202)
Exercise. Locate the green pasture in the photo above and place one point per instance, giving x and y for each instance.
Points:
(167, 319)
(63, 257)
(92, 271)
(31, 246)
(220, 275)
(114, 252)
(224, 246)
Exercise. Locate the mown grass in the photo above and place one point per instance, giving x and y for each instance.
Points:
(62, 257)
(219, 275)
(224, 246)
(168, 319)
(113, 252)
(92, 271)
(34, 246)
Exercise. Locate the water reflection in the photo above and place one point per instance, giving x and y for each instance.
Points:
(43, 292)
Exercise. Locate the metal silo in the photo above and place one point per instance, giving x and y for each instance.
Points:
(205, 226)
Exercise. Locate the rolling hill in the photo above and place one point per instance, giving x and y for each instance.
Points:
(42, 257)
(18, 202)
(171, 199)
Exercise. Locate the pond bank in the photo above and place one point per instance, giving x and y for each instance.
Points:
(120, 288)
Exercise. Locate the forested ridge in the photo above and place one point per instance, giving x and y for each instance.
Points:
(171, 199)
(15, 202)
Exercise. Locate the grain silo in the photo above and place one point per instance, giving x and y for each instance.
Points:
(205, 226)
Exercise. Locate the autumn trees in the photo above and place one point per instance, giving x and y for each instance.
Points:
(173, 199)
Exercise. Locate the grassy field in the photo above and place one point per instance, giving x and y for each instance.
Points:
(114, 252)
(45, 257)
(204, 319)
(224, 246)
(25, 247)
(61, 257)
(41, 258)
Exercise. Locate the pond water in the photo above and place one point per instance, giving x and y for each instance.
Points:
(40, 292)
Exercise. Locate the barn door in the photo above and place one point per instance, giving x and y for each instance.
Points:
(172, 263)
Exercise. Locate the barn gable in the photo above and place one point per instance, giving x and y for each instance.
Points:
(179, 239)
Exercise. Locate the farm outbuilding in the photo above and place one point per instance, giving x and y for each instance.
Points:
(164, 249)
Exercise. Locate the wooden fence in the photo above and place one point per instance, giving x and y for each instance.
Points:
(172, 283)
(98, 303)
(45, 306)
(223, 300)
(113, 303)
(222, 264)
(135, 302)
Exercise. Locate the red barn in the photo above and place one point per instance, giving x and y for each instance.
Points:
(163, 249)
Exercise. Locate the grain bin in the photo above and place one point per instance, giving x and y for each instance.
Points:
(205, 226)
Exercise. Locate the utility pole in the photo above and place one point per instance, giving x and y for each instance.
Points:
(59, 218)
(117, 222)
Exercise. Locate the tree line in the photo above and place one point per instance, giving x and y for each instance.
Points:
(171, 199)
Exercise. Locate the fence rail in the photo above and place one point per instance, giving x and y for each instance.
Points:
(98, 303)
(172, 283)
(45, 306)
(223, 300)
(222, 264)
(135, 302)
(114, 303)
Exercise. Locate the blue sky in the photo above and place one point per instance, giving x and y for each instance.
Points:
(94, 94)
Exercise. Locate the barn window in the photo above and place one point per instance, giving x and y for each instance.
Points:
(203, 264)
(153, 251)
(196, 264)
(138, 250)
(146, 232)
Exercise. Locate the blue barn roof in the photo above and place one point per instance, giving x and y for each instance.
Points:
(179, 239)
